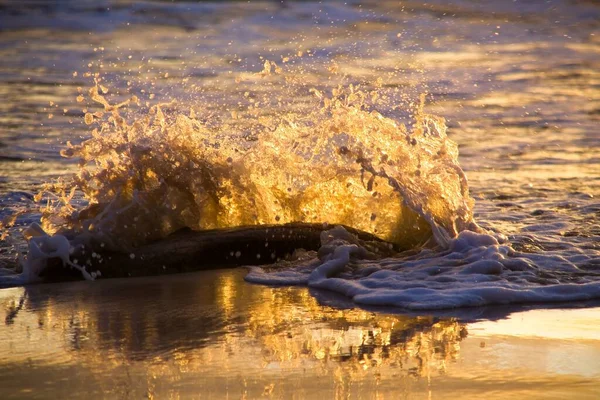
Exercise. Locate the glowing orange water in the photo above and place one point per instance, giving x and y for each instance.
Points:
(149, 173)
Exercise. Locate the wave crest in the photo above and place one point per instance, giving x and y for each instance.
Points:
(147, 174)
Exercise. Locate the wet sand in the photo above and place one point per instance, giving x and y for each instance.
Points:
(212, 335)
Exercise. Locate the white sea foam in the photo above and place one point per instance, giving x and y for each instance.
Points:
(476, 270)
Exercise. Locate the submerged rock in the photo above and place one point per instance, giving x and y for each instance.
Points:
(187, 250)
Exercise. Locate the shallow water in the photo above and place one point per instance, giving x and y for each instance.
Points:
(517, 83)
(211, 335)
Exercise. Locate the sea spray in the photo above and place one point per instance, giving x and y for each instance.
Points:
(147, 174)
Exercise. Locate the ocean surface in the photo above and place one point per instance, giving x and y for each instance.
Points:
(210, 335)
(464, 132)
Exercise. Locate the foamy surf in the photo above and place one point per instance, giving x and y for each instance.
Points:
(476, 270)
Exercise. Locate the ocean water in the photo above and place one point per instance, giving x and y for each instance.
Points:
(465, 133)
(210, 335)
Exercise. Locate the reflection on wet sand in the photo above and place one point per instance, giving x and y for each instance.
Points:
(195, 326)
(212, 334)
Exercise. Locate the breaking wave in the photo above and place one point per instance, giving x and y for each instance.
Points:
(146, 177)
(150, 170)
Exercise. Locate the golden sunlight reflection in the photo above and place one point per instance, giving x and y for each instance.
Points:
(212, 329)
(578, 324)
(227, 324)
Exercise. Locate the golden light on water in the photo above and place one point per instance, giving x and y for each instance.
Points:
(285, 328)
(261, 112)
(580, 326)
(343, 162)
(263, 335)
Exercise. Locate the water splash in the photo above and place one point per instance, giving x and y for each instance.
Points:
(146, 174)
